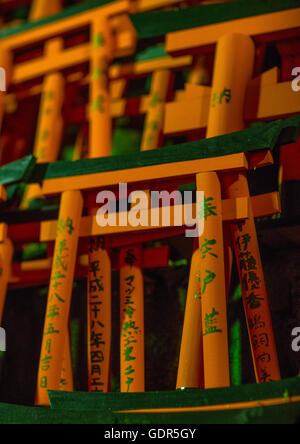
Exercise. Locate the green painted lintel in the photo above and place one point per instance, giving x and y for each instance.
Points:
(263, 137)
(158, 23)
(66, 13)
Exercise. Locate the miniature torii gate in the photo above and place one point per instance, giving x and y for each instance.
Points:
(226, 104)
(89, 226)
(47, 119)
(47, 143)
(231, 210)
(222, 108)
(46, 147)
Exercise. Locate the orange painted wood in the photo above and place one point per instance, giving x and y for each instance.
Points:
(65, 25)
(190, 368)
(38, 272)
(151, 173)
(3, 194)
(213, 296)
(47, 141)
(66, 383)
(232, 210)
(132, 321)
(59, 297)
(233, 70)
(152, 135)
(274, 99)
(43, 8)
(263, 205)
(185, 41)
(148, 66)
(6, 64)
(215, 408)
(255, 296)
(6, 255)
(3, 232)
(100, 136)
(99, 315)
(229, 86)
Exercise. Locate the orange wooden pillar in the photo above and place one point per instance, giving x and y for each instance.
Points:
(59, 296)
(199, 74)
(213, 285)
(131, 274)
(99, 114)
(66, 383)
(190, 369)
(43, 8)
(5, 73)
(6, 255)
(132, 321)
(50, 122)
(255, 296)
(155, 115)
(233, 71)
(99, 279)
(99, 315)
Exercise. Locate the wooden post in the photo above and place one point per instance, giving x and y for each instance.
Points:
(199, 74)
(66, 383)
(5, 73)
(233, 71)
(6, 255)
(99, 315)
(43, 8)
(190, 370)
(100, 116)
(132, 321)
(156, 112)
(50, 125)
(59, 297)
(50, 122)
(252, 279)
(228, 256)
(131, 273)
(213, 285)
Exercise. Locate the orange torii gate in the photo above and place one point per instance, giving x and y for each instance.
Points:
(222, 109)
(233, 209)
(206, 180)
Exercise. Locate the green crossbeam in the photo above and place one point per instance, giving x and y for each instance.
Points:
(262, 137)
(159, 23)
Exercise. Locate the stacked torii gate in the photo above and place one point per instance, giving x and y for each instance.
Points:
(207, 180)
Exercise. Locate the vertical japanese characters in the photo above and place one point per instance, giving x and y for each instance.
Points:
(132, 321)
(211, 277)
(99, 315)
(256, 305)
(59, 296)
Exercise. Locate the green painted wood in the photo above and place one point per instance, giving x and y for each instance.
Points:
(176, 398)
(284, 414)
(67, 12)
(262, 137)
(159, 23)
(18, 171)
